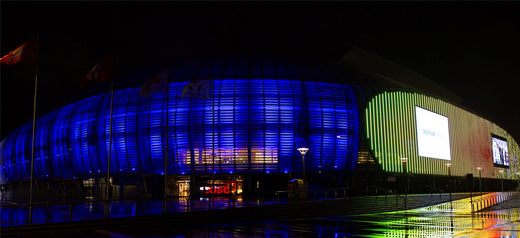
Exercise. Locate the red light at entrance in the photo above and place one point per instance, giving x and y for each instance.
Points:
(218, 190)
(221, 187)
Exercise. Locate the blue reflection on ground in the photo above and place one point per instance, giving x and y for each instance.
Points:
(17, 214)
(421, 222)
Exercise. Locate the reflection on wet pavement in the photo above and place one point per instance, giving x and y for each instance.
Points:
(417, 223)
(411, 223)
(17, 214)
(444, 220)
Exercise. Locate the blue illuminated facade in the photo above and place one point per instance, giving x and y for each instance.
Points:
(252, 124)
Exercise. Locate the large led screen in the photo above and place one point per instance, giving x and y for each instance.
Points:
(500, 153)
(433, 138)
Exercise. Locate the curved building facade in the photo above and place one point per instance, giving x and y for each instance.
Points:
(432, 134)
(249, 125)
(260, 111)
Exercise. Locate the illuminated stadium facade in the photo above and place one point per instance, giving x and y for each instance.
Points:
(250, 127)
(248, 132)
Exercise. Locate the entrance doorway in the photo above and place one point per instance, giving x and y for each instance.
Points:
(183, 188)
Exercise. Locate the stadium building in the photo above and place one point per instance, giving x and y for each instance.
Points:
(370, 125)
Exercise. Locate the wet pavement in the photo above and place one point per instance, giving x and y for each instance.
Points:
(501, 220)
(13, 214)
(414, 223)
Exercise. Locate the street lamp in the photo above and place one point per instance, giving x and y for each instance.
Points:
(518, 179)
(501, 179)
(404, 160)
(449, 175)
(480, 180)
(303, 151)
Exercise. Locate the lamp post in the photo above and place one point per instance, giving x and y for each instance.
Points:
(518, 180)
(449, 175)
(480, 180)
(501, 179)
(404, 160)
(303, 151)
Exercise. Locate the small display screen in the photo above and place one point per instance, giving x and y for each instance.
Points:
(500, 152)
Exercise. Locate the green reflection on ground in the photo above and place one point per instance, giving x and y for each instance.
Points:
(432, 223)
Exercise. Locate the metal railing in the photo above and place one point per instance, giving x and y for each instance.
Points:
(328, 193)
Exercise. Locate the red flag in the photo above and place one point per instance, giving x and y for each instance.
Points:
(27, 52)
(197, 89)
(101, 72)
(156, 83)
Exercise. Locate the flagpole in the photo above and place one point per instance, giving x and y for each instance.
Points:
(33, 136)
(109, 149)
(166, 150)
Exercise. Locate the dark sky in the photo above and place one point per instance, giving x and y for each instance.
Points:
(470, 48)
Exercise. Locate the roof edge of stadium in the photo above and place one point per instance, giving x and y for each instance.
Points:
(371, 63)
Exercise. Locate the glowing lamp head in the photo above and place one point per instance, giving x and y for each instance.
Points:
(303, 150)
(479, 168)
(448, 165)
(501, 171)
(404, 160)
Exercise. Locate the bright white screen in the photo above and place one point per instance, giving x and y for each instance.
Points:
(500, 153)
(433, 137)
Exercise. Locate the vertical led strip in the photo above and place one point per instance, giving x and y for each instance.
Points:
(392, 131)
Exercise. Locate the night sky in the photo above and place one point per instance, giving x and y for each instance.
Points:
(470, 48)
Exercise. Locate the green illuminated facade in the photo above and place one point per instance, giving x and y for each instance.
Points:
(391, 128)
